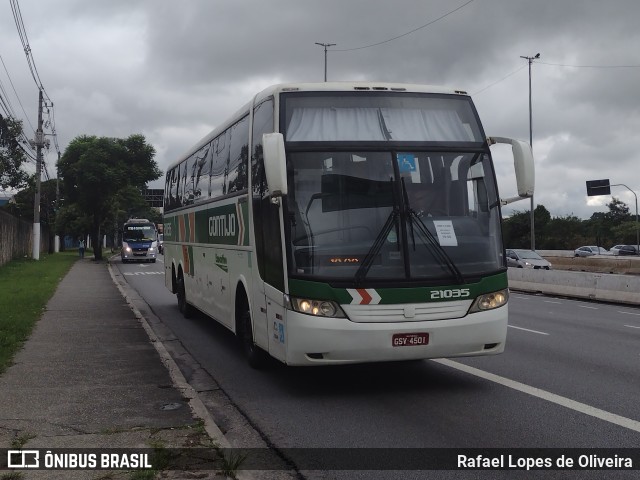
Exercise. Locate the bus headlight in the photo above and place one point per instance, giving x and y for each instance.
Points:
(489, 301)
(319, 308)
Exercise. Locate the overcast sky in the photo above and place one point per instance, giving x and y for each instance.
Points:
(172, 70)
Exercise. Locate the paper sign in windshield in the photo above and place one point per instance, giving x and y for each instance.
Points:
(446, 233)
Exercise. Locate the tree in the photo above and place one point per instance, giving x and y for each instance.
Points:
(517, 228)
(618, 212)
(601, 227)
(11, 155)
(100, 173)
(626, 233)
(563, 233)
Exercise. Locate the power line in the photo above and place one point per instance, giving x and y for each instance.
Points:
(407, 33)
(588, 66)
(16, 93)
(555, 65)
(22, 33)
(498, 81)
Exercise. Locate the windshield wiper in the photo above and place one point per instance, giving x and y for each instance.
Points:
(367, 262)
(438, 252)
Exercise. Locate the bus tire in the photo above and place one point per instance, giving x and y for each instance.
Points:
(183, 305)
(256, 357)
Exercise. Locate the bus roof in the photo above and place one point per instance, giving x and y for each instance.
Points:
(138, 220)
(275, 90)
(354, 87)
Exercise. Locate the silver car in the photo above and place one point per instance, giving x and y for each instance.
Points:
(590, 250)
(526, 259)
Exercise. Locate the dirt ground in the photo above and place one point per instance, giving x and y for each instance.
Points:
(597, 264)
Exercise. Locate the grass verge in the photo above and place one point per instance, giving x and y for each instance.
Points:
(26, 286)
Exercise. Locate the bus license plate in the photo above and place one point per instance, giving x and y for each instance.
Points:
(409, 339)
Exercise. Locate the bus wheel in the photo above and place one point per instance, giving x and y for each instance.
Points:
(256, 357)
(183, 306)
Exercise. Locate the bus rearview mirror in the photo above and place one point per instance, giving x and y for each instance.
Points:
(523, 164)
(275, 164)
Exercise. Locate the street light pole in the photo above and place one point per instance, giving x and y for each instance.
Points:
(636, 196)
(530, 60)
(325, 45)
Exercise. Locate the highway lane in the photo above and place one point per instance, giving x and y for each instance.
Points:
(575, 353)
(586, 351)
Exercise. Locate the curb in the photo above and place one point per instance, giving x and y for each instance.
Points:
(179, 381)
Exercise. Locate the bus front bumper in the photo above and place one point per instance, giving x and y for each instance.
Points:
(323, 341)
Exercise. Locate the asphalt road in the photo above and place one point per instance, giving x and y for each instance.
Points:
(569, 378)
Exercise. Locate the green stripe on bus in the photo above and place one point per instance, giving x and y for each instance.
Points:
(226, 224)
(390, 296)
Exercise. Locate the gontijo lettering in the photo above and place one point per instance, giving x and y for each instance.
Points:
(222, 225)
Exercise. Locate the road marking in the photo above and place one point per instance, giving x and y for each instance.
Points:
(629, 313)
(587, 306)
(544, 395)
(549, 301)
(632, 326)
(143, 273)
(527, 330)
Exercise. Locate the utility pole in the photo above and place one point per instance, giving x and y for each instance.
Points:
(325, 45)
(56, 242)
(530, 60)
(39, 143)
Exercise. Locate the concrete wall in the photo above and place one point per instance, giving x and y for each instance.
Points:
(16, 238)
(594, 286)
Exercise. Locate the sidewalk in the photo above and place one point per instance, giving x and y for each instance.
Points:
(89, 377)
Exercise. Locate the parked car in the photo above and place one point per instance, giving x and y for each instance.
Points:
(526, 259)
(590, 250)
(628, 250)
(615, 249)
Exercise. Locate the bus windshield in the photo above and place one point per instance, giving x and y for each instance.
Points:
(136, 233)
(416, 214)
(380, 117)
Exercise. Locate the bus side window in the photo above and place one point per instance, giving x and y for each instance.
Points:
(203, 167)
(265, 214)
(237, 179)
(167, 191)
(187, 179)
(262, 123)
(176, 197)
(219, 165)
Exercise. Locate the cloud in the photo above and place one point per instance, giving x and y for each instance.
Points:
(174, 70)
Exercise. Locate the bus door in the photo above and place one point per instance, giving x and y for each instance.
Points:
(274, 280)
(269, 308)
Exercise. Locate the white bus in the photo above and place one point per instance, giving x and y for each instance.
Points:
(338, 223)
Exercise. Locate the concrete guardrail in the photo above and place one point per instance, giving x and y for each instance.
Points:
(594, 286)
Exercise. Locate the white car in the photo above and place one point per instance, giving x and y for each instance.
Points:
(590, 250)
(615, 250)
